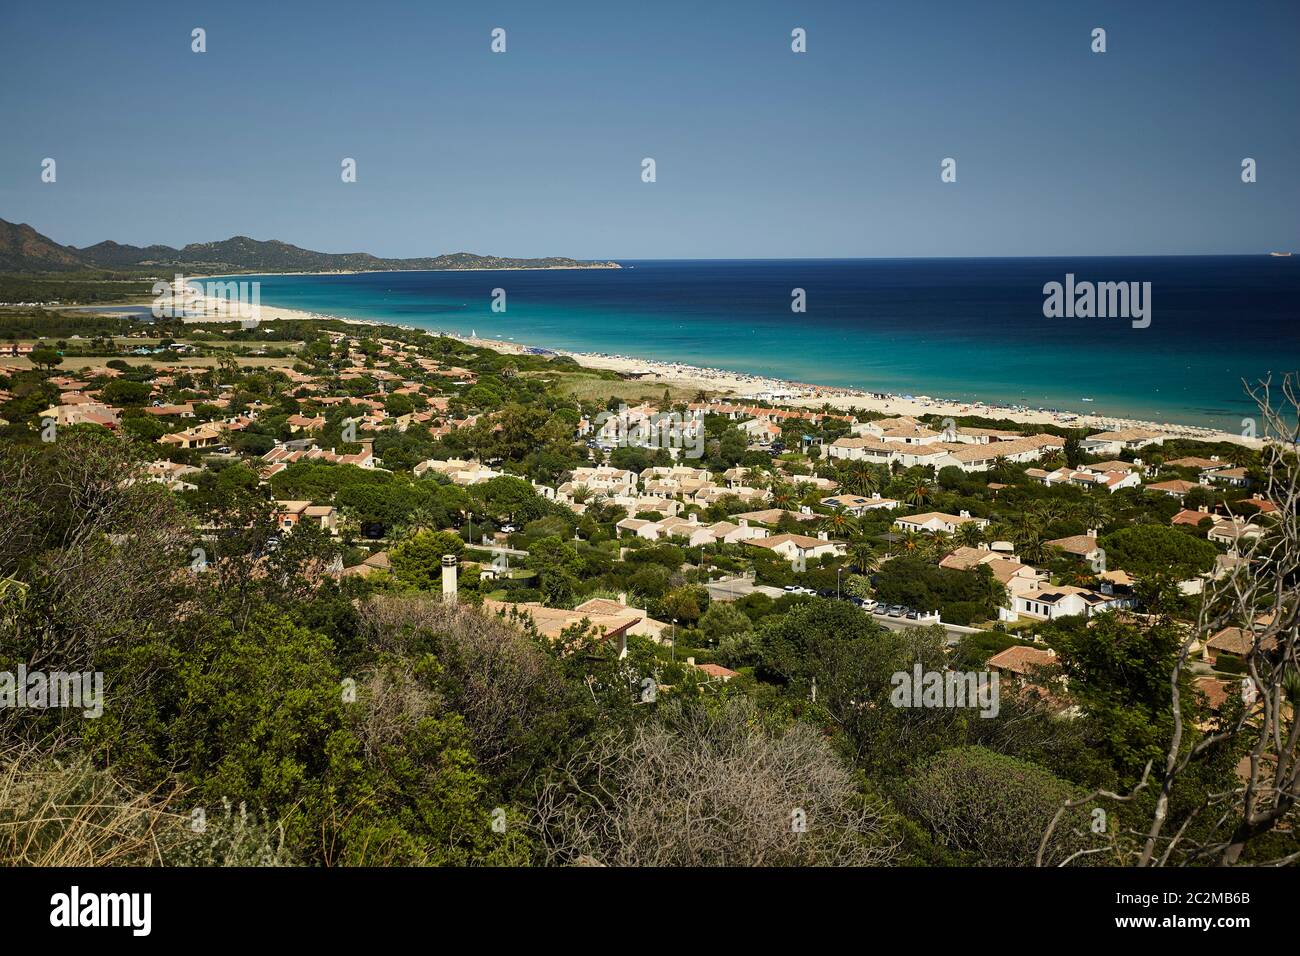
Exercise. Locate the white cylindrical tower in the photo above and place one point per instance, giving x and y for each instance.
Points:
(449, 578)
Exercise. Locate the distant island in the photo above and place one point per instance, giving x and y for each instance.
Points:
(24, 250)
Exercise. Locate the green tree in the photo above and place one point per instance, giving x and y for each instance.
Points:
(994, 809)
(724, 622)
(43, 357)
(1153, 549)
(417, 561)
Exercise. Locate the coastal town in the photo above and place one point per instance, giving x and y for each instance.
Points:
(368, 594)
(357, 433)
(524, 448)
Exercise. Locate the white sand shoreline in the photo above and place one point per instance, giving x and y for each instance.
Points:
(738, 385)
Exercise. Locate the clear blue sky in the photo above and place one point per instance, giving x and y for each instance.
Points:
(760, 152)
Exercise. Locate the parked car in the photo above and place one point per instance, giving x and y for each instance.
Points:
(896, 611)
(913, 615)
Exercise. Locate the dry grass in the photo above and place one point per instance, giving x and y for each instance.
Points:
(592, 388)
(73, 815)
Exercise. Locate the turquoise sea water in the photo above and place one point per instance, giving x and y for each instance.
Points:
(950, 328)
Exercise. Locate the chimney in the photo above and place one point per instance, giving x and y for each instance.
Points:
(449, 579)
(1092, 532)
(622, 598)
(690, 661)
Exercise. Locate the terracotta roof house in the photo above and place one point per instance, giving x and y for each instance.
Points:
(164, 411)
(1079, 545)
(1234, 477)
(797, 548)
(1235, 641)
(645, 627)
(551, 622)
(1020, 660)
(773, 516)
(714, 671)
(376, 562)
(857, 504)
(1113, 442)
(1176, 488)
(937, 521)
(1216, 691)
(1200, 464)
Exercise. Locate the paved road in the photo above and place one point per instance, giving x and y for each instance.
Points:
(737, 588)
(498, 549)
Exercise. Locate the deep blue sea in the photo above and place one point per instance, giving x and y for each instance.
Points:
(950, 328)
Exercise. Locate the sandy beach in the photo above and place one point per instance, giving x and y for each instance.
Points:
(738, 385)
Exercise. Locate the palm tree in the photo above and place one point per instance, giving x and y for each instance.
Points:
(1024, 525)
(997, 592)
(860, 479)
(783, 496)
(838, 523)
(919, 493)
(862, 555)
(1239, 455)
(938, 544)
(970, 534)
(1034, 548)
(1094, 511)
(1081, 577)
(1047, 511)
(911, 542)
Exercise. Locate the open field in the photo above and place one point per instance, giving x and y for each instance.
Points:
(594, 388)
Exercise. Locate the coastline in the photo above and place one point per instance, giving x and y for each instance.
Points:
(738, 385)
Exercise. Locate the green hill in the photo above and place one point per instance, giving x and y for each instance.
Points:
(23, 249)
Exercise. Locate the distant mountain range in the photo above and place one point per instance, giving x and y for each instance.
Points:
(23, 249)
